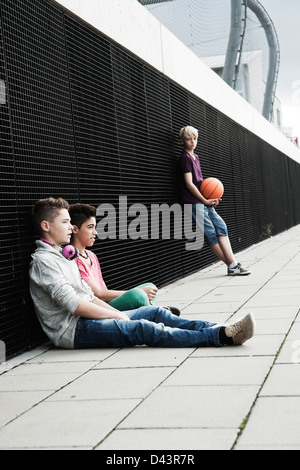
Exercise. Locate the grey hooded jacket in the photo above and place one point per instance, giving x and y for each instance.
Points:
(56, 289)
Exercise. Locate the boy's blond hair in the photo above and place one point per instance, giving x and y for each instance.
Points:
(186, 132)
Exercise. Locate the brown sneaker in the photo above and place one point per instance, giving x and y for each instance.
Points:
(242, 330)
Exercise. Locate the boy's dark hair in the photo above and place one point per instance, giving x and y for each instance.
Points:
(47, 209)
(79, 213)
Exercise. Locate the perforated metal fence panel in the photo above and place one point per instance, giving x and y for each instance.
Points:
(85, 120)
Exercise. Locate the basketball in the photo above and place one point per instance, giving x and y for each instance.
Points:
(212, 188)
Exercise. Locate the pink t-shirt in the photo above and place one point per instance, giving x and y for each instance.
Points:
(91, 273)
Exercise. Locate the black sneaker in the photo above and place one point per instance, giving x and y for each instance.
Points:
(173, 310)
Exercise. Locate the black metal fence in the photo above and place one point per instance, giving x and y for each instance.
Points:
(87, 121)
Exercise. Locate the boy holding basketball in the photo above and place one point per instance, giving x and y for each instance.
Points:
(215, 230)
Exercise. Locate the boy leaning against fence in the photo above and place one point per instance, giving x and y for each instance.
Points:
(73, 318)
(83, 219)
(190, 179)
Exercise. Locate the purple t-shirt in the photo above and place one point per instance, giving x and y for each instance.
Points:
(187, 164)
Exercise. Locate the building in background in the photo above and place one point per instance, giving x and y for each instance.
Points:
(220, 32)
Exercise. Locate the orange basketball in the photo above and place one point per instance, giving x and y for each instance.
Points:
(212, 188)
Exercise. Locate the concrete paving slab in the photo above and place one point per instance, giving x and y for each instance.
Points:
(170, 439)
(282, 283)
(289, 353)
(243, 370)
(272, 313)
(177, 299)
(220, 318)
(193, 407)
(287, 278)
(70, 355)
(281, 292)
(146, 357)
(51, 382)
(272, 301)
(22, 358)
(191, 292)
(250, 282)
(259, 345)
(228, 289)
(227, 295)
(213, 307)
(273, 326)
(15, 403)
(65, 424)
(294, 332)
(100, 384)
(284, 380)
(274, 424)
(36, 368)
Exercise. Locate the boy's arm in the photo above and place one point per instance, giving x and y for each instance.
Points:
(188, 178)
(94, 310)
(48, 277)
(105, 295)
(104, 305)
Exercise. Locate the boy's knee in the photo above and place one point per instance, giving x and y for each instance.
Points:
(211, 237)
(139, 297)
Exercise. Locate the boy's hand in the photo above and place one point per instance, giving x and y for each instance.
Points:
(151, 291)
(212, 202)
(122, 316)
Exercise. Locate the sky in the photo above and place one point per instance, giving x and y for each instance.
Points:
(285, 15)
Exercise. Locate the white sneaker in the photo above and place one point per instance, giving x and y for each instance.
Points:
(242, 330)
(238, 270)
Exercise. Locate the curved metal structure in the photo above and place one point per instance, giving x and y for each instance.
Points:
(274, 55)
(234, 48)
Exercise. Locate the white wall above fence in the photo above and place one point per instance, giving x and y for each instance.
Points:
(129, 24)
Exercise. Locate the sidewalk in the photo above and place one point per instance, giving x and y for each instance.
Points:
(245, 397)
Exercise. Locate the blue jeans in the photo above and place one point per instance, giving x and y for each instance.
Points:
(214, 225)
(152, 326)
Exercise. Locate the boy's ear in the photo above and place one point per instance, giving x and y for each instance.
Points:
(75, 229)
(45, 226)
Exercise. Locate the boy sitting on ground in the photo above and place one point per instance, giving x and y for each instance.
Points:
(74, 318)
(83, 219)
